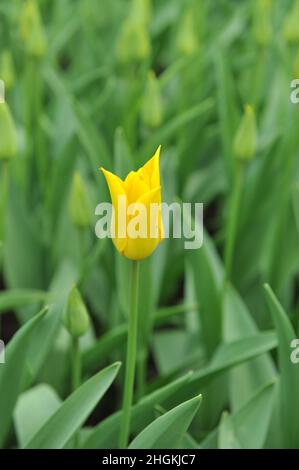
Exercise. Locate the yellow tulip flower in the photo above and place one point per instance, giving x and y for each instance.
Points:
(140, 190)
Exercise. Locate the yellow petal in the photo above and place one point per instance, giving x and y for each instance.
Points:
(154, 196)
(139, 248)
(117, 188)
(150, 171)
(135, 186)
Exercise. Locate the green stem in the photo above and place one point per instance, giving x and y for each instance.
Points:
(233, 220)
(141, 373)
(3, 197)
(35, 149)
(130, 359)
(82, 249)
(4, 186)
(76, 364)
(76, 376)
(260, 66)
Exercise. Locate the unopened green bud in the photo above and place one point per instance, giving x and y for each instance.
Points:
(187, 39)
(291, 24)
(152, 107)
(79, 204)
(134, 42)
(8, 134)
(245, 142)
(7, 71)
(262, 22)
(75, 317)
(32, 31)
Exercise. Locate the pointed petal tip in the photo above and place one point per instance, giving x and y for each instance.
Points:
(106, 173)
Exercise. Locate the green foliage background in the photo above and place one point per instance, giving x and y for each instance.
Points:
(79, 90)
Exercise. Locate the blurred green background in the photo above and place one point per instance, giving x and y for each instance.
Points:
(93, 83)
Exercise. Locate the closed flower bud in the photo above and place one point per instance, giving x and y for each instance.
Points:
(134, 42)
(79, 204)
(75, 317)
(8, 135)
(152, 108)
(245, 142)
(187, 39)
(7, 72)
(290, 27)
(32, 31)
(262, 22)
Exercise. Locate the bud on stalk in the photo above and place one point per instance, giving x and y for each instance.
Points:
(76, 318)
(32, 30)
(152, 108)
(245, 141)
(79, 204)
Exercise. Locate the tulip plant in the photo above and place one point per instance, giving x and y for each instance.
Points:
(139, 187)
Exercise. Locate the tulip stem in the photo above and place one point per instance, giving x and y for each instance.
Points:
(76, 364)
(130, 359)
(83, 251)
(232, 223)
(4, 184)
(76, 375)
(141, 372)
(4, 187)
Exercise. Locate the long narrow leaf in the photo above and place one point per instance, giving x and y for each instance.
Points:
(75, 409)
(167, 431)
(14, 298)
(289, 381)
(13, 372)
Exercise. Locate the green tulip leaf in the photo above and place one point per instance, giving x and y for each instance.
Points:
(227, 438)
(289, 376)
(34, 407)
(167, 431)
(14, 298)
(13, 372)
(55, 433)
(254, 414)
(106, 433)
